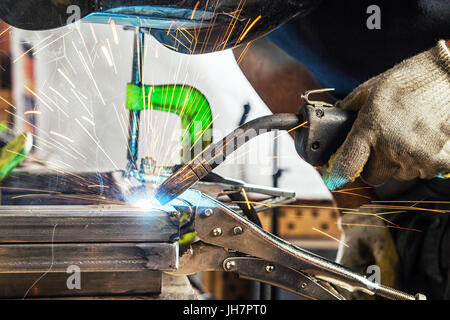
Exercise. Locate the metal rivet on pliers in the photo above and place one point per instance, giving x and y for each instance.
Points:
(229, 265)
(209, 212)
(217, 232)
(320, 113)
(270, 268)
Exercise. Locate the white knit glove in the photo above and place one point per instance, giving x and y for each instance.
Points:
(403, 125)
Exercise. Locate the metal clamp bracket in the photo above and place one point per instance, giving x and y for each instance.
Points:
(316, 104)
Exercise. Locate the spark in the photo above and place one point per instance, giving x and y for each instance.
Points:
(203, 132)
(32, 112)
(406, 201)
(56, 105)
(76, 151)
(98, 145)
(195, 8)
(39, 98)
(114, 31)
(112, 56)
(170, 27)
(235, 18)
(352, 194)
(23, 54)
(246, 199)
(305, 206)
(251, 202)
(28, 189)
(93, 33)
(331, 237)
(179, 41)
(51, 42)
(85, 46)
(61, 136)
(8, 103)
(88, 120)
(82, 103)
(378, 226)
(170, 47)
(355, 188)
(107, 56)
(65, 77)
(243, 30)
(407, 208)
(376, 215)
(249, 27)
(51, 263)
(300, 125)
(241, 56)
(90, 75)
(5, 31)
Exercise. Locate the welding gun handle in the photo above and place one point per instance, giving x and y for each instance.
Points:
(324, 132)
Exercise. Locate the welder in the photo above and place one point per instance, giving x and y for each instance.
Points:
(390, 61)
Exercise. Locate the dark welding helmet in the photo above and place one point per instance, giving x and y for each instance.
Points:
(186, 26)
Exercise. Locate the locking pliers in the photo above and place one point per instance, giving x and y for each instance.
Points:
(229, 242)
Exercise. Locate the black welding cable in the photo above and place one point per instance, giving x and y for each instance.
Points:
(218, 152)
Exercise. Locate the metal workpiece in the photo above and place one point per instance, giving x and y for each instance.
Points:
(93, 284)
(75, 224)
(254, 241)
(22, 187)
(116, 249)
(103, 257)
(217, 153)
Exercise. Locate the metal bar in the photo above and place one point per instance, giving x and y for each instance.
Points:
(54, 284)
(45, 224)
(134, 118)
(101, 257)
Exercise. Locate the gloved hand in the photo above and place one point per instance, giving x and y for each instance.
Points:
(368, 243)
(403, 125)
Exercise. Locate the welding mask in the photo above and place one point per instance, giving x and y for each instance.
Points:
(189, 26)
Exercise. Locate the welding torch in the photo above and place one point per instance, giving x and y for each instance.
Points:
(319, 128)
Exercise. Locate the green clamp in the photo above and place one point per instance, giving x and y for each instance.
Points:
(187, 102)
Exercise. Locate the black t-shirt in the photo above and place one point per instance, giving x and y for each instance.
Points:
(334, 43)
